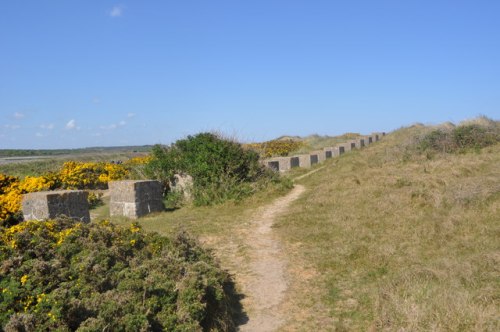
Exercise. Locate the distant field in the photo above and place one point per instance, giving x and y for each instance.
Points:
(52, 160)
(5, 153)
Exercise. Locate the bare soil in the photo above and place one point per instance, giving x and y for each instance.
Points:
(264, 282)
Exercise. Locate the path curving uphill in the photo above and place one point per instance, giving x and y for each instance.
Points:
(266, 284)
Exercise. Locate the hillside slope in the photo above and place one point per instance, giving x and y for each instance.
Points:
(389, 238)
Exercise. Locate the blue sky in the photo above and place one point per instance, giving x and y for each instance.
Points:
(103, 73)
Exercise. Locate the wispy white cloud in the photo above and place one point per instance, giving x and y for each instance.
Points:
(109, 127)
(116, 11)
(18, 115)
(49, 126)
(71, 125)
(39, 135)
(96, 100)
(130, 115)
(114, 125)
(12, 127)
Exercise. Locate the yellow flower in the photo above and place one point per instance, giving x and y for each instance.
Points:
(132, 242)
(134, 228)
(24, 279)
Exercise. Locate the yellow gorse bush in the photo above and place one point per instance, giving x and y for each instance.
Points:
(139, 160)
(8, 235)
(82, 175)
(73, 175)
(275, 147)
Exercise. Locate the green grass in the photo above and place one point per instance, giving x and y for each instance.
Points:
(391, 240)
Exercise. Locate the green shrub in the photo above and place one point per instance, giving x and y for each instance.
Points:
(62, 275)
(472, 135)
(221, 169)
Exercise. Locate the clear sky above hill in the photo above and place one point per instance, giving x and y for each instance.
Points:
(102, 73)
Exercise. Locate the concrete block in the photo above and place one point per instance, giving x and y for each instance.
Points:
(346, 147)
(368, 140)
(294, 162)
(321, 155)
(51, 204)
(328, 152)
(182, 183)
(134, 199)
(273, 164)
(280, 164)
(304, 160)
(314, 158)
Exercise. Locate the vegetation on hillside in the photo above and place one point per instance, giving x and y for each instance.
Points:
(275, 148)
(221, 169)
(72, 175)
(470, 135)
(394, 238)
(67, 276)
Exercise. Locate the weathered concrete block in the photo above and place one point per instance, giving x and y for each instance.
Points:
(134, 199)
(273, 164)
(280, 164)
(321, 155)
(183, 183)
(346, 147)
(328, 152)
(368, 140)
(304, 160)
(314, 158)
(51, 204)
(352, 144)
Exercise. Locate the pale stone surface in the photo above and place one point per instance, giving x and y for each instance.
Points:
(304, 160)
(134, 199)
(321, 155)
(346, 147)
(328, 152)
(51, 204)
(280, 164)
(183, 183)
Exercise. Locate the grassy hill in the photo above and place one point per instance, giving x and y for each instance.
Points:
(392, 238)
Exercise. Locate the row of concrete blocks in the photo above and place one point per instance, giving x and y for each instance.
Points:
(283, 164)
(132, 199)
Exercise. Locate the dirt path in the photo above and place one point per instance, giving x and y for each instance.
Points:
(266, 283)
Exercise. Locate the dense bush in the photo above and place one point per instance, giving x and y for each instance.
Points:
(221, 169)
(467, 136)
(66, 276)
